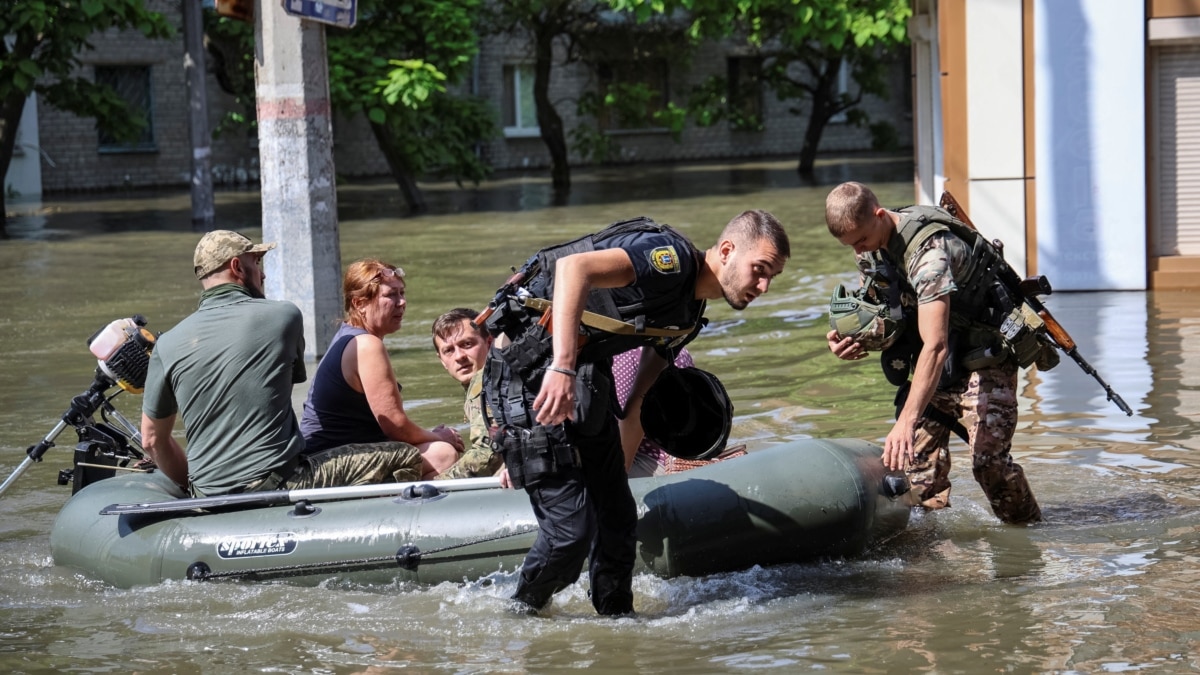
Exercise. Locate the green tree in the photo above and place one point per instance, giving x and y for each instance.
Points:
(398, 66)
(40, 44)
(543, 24)
(803, 47)
(631, 62)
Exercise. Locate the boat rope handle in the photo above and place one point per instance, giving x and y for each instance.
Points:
(407, 557)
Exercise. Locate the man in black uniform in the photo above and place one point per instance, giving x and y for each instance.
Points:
(548, 382)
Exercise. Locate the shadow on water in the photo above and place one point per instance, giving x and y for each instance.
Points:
(74, 216)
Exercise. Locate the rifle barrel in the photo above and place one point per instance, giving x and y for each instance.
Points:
(1062, 340)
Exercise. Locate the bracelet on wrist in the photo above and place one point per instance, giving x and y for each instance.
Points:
(565, 371)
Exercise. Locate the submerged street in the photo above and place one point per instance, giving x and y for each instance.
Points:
(1107, 583)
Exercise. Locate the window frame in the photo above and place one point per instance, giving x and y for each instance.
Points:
(755, 105)
(616, 72)
(513, 83)
(148, 142)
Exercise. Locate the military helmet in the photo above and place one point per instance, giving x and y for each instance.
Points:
(870, 324)
(688, 413)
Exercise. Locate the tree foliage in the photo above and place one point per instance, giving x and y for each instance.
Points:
(398, 67)
(803, 47)
(40, 46)
(544, 24)
(592, 32)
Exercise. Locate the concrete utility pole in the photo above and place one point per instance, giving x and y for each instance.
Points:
(295, 146)
(193, 66)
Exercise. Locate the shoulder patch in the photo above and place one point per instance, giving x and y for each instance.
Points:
(665, 260)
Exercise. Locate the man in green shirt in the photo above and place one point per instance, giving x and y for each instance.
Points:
(228, 370)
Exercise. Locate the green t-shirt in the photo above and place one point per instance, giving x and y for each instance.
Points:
(228, 371)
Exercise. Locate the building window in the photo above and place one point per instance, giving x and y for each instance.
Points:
(642, 91)
(745, 93)
(520, 112)
(841, 89)
(132, 84)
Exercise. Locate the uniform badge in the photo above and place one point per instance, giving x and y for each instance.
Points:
(665, 260)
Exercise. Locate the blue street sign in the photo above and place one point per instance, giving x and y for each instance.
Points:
(334, 12)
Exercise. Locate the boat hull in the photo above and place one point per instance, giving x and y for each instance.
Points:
(794, 502)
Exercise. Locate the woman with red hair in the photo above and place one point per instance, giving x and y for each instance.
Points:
(355, 398)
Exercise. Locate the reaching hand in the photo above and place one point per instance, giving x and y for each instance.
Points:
(555, 402)
(898, 448)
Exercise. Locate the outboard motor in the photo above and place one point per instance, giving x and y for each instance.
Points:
(122, 349)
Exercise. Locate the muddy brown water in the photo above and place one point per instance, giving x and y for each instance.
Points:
(1107, 584)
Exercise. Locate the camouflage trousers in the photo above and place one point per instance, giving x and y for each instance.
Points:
(357, 464)
(986, 403)
(477, 462)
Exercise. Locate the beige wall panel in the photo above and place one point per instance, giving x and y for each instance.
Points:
(998, 210)
(995, 95)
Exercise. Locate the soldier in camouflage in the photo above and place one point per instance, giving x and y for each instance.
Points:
(462, 347)
(941, 391)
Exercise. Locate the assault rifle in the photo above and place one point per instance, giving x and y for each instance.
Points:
(1028, 290)
(509, 288)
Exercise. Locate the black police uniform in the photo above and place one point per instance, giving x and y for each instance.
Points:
(574, 472)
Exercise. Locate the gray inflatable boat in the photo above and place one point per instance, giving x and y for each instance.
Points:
(794, 502)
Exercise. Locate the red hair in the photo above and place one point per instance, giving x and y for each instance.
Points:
(362, 280)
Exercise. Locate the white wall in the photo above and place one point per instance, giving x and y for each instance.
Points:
(996, 126)
(1090, 138)
(25, 172)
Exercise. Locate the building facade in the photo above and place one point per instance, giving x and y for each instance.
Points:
(1069, 129)
(150, 75)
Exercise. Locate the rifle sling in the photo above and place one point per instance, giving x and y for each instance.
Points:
(607, 324)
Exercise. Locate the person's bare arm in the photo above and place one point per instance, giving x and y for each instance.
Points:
(574, 276)
(168, 456)
(373, 370)
(650, 366)
(933, 323)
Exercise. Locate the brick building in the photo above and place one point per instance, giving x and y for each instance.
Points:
(150, 74)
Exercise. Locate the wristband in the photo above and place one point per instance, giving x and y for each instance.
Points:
(565, 371)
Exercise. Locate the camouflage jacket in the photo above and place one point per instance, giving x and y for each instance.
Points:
(478, 460)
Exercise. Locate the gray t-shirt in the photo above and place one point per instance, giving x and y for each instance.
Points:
(228, 370)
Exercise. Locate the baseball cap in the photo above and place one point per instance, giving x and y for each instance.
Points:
(219, 247)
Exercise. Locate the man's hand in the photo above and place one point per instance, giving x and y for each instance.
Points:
(449, 435)
(898, 448)
(555, 402)
(845, 348)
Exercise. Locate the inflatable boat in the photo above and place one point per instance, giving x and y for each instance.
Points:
(794, 502)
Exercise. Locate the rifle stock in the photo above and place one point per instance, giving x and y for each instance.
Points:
(507, 289)
(1055, 329)
(1058, 335)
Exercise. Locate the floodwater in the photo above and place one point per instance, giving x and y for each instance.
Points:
(1108, 584)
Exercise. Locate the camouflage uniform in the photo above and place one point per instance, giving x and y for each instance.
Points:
(478, 459)
(358, 464)
(985, 400)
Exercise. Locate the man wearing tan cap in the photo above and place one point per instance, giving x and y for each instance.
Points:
(228, 370)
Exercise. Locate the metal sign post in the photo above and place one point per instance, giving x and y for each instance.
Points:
(342, 13)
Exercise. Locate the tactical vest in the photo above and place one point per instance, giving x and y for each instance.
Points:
(608, 327)
(988, 324)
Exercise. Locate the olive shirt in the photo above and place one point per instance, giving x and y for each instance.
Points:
(228, 370)
(478, 460)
